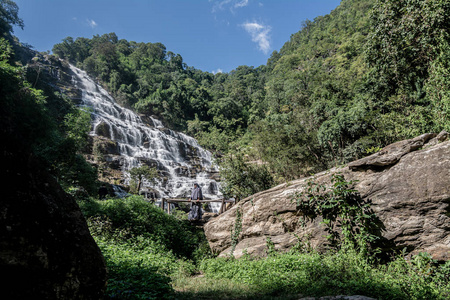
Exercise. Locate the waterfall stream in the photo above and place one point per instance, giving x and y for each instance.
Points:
(180, 160)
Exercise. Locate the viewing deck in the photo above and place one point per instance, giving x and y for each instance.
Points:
(223, 207)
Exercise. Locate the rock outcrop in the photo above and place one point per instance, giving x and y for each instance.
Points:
(408, 183)
(46, 250)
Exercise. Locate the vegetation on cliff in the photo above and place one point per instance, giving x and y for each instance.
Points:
(343, 86)
(44, 123)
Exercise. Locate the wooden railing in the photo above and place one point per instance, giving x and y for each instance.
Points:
(223, 206)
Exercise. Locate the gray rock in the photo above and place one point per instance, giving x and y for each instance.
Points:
(392, 153)
(408, 184)
(105, 146)
(442, 136)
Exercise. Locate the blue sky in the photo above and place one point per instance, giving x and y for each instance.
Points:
(210, 35)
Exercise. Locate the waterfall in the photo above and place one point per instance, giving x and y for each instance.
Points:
(180, 160)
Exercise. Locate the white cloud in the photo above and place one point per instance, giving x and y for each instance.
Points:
(92, 23)
(223, 4)
(217, 71)
(260, 34)
(241, 3)
(220, 5)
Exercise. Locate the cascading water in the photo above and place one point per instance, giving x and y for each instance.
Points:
(179, 158)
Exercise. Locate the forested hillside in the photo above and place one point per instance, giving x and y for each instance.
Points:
(346, 84)
(37, 120)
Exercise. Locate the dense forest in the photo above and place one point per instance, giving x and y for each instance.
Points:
(345, 85)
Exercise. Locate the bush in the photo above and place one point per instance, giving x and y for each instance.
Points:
(140, 269)
(144, 248)
(348, 219)
(134, 217)
(241, 178)
(134, 237)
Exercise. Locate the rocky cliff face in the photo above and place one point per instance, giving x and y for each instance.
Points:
(408, 183)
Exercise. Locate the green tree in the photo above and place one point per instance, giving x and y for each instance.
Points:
(438, 88)
(138, 174)
(78, 125)
(402, 44)
(242, 178)
(365, 75)
(405, 51)
(66, 49)
(9, 16)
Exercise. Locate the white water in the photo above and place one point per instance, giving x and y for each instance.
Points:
(176, 154)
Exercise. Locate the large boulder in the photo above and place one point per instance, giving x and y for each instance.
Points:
(46, 250)
(408, 183)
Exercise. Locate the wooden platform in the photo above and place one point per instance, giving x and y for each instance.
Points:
(223, 206)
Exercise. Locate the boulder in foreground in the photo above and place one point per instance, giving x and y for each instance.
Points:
(46, 250)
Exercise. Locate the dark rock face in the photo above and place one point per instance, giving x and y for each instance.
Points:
(104, 130)
(105, 146)
(46, 250)
(408, 183)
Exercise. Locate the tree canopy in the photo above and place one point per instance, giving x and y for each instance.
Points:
(9, 16)
(348, 83)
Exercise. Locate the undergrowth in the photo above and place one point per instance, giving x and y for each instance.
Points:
(151, 255)
(144, 248)
(342, 273)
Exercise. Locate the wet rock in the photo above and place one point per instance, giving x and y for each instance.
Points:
(103, 129)
(105, 146)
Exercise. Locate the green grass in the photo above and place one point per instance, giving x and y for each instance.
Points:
(151, 255)
(342, 273)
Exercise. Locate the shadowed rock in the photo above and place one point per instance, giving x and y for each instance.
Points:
(46, 250)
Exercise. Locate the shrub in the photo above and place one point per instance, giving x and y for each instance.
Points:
(144, 248)
(133, 217)
(348, 218)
